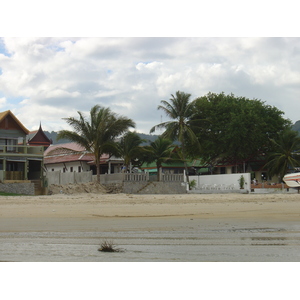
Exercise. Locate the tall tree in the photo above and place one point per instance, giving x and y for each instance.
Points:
(238, 129)
(98, 133)
(286, 154)
(181, 127)
(129, 148)
(160, 151)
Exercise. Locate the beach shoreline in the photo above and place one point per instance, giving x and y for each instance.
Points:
(186, 227)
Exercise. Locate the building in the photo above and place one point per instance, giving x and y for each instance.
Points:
(18, 161)
(38, 138)
(71, 157)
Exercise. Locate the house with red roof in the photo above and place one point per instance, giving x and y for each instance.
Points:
(72, 157)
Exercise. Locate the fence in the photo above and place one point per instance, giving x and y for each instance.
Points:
(60, 178)
(221, 182)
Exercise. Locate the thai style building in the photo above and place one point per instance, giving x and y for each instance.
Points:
(38, 138)
(18, 161)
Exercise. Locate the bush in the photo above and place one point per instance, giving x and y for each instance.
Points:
(108, 246)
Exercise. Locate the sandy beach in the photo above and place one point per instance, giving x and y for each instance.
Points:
(186, 227)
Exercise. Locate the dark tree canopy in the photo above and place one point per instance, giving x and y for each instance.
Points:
(286, 153)
(236, 128)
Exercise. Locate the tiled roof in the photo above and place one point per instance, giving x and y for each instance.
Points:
(69, 146)
(68, 158)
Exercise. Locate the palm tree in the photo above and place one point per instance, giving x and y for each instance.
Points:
(181, 111)
(98, 133)
(129, 148)
(160, 151)
(286, 154)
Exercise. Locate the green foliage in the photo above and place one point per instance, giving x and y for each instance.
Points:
(160, 151)
(236, 128)
(98, 133)
(192, 184)
(182, 125)
(129, 148)
(241, 181)
(286, 153)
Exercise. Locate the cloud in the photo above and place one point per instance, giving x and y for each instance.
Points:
(53, 78)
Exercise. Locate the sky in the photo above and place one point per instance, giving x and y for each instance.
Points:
(46, 79)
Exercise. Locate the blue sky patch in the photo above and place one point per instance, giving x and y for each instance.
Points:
(3, 49)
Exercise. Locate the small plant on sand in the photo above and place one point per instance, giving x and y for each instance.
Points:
(108, 246)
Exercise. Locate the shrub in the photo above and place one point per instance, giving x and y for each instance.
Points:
(108, 246)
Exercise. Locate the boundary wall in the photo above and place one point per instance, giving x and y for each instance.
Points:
(221, 183)
(22, 188)
(60, 178)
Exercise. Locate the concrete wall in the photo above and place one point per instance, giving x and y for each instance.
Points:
(221, 182)
(154, 187)
(110, 178)
(22, 188)
(60, 178)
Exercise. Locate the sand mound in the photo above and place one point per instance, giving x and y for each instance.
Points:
(89, 187)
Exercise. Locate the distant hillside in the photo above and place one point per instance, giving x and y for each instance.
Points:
(296, 127)
(53, 135)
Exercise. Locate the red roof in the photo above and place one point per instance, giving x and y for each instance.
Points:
(69, 158)
(69, 152)
(68, 146)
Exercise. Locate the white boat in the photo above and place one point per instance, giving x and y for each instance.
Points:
(292, 180)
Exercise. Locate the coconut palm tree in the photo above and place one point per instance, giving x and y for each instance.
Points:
(129, 148)
(286, 154)
(181, 111)
(160, 151)
(97, 134)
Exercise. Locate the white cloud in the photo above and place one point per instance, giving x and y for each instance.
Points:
(59, 76)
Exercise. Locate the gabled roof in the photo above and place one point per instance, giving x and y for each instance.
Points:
(7, 113)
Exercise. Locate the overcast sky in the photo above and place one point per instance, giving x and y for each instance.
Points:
(47, 79)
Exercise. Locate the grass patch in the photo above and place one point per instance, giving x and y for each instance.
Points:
(10, 194)
(109, 246)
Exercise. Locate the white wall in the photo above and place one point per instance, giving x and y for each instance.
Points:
(60, 166)
(223, 181)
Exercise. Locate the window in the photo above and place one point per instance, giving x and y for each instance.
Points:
(71, 169)
(79, 169)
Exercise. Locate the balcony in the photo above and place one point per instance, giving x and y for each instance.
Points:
(21, 151)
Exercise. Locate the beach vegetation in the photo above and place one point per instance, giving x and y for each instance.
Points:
(182, 124)
(286, 154)
(109, 246)
(98, 132)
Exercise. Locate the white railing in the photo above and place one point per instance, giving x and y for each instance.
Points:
(136, 177)
(172, 177)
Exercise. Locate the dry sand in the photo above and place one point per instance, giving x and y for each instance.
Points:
(90, 205)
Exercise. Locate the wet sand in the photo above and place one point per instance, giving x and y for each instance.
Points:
(190, 227)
